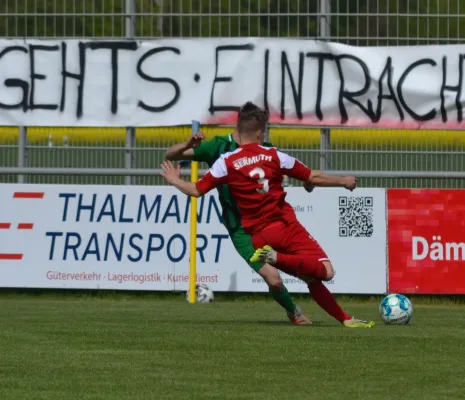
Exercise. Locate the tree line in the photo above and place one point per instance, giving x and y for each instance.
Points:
(362, 22)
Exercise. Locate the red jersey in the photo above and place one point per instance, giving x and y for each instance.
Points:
(255, 174)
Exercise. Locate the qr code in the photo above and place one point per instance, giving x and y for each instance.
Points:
(355, 216)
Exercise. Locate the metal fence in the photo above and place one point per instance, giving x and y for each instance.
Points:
(395, 158)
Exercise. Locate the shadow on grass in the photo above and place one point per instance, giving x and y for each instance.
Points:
(316, 324)
(284, 324)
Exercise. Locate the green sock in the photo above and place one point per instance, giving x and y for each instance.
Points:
(283, 298)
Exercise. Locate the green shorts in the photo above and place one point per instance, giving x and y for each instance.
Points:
(243, 244)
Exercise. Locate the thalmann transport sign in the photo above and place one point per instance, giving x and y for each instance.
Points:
(426, 237)
(137, 238)
(173, 81)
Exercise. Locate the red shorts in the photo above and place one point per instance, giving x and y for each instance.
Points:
(293, 239)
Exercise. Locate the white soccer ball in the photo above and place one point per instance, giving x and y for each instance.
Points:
(396, 309)
(203, 293)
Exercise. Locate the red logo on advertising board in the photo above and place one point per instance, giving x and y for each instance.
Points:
(21, 225)
(426, 241)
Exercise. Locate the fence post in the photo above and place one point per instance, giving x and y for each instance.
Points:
(22, 153)
(130, 142)
(129, 154)
(324, 23)
(160, 11)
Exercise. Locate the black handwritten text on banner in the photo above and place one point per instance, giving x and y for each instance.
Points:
(171, 82)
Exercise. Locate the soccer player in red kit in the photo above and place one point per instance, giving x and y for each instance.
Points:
(254, 174)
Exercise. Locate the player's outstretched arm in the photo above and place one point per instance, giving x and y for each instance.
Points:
(173, 176)
(185, 150)
(311, 178)
(319, 178)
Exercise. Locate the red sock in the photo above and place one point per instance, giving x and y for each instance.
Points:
(326, 301)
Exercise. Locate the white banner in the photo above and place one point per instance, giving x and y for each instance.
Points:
(137, 238)
(171, 82)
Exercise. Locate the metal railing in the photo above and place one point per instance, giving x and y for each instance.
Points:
(385, 158)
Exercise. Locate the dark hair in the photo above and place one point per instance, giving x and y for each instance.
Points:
(251, 119)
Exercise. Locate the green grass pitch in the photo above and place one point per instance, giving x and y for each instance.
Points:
(146, 348)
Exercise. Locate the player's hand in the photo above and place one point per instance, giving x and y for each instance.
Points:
(195, 140)
(350, 182)
(309, 187)
(170, 173)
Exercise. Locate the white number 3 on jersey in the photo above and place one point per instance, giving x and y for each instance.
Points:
(261, 180)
